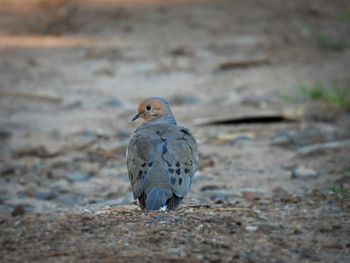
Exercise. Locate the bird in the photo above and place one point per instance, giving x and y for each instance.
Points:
(162, 157)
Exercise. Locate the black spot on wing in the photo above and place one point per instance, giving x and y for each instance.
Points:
(164, 149)
(185, 131)
(178, 171)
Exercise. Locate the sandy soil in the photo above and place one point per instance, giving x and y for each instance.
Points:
(71, 75)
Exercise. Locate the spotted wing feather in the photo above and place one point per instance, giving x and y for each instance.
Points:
(163, 156)
(183, 156)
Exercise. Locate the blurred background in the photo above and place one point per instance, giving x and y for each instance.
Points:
(264, 86)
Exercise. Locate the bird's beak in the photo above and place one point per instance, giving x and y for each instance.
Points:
(135, 117)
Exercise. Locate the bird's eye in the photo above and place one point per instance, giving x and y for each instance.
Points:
(148, 107)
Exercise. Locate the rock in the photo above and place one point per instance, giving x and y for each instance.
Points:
(293, 199)
(322, 147)
(324, 227)
(302, 172)
(235, 137)
(18, 210)
(250, 196)
(60, 186)
(320, 193)
(282, 138)
(182, 51)
(239, 63)
(241, 138)
(219, 195)
(279, 192)
(45, 195)
(89, 168)
(7, 169)
(30, 190)
(251, 228)
(76, 177)
(205, 162)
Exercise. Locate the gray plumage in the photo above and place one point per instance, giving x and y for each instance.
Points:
(162, 158)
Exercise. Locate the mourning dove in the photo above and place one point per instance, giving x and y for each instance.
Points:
(162, 157)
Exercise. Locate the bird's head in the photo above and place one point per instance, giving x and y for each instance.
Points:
(154, 108)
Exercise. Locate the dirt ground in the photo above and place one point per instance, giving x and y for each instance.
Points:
(71, 75)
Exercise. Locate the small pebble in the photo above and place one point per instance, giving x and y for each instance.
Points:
(251, 228)
(45, 195)
(250, 196)
(18, 210)
(76, 177)
(302, 172)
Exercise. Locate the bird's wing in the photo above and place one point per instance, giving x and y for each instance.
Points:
(163, 156)
(180, 152)
(140, 159)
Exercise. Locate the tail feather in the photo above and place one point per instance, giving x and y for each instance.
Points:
(174, 202)
(156, 199)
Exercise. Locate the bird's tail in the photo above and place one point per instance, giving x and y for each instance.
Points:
(156, 199)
